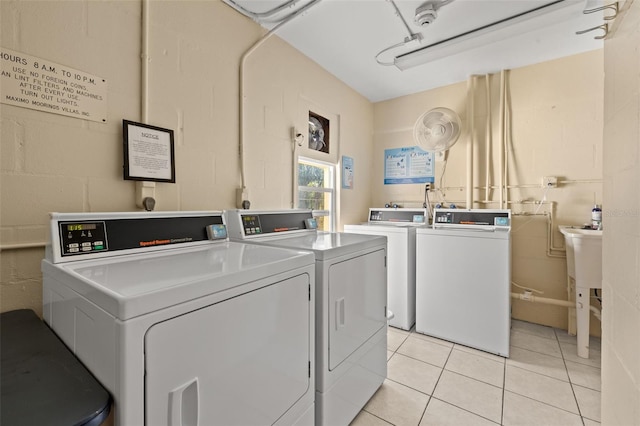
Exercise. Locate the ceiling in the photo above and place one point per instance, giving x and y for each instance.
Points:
(344, 37)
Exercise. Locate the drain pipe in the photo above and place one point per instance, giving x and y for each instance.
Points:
(241, 194)
(528, 297)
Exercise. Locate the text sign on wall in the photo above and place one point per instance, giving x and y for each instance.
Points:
(31, 82)
(408, 165)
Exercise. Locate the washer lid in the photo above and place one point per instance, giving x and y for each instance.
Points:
(131, 285)
(381, 228)
(327, 245)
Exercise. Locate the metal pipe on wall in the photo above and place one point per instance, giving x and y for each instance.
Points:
(471, 83)
(144, 56)
(536, 299)
(144, 189)
(500, 139)
(505, 140)
(488, 138)
(7, 247)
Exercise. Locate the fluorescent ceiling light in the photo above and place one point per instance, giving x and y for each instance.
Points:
(521, 23)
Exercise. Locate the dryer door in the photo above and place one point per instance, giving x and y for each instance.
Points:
(357, 303)
(243, 361)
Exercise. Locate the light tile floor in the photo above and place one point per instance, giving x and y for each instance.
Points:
(435, 382)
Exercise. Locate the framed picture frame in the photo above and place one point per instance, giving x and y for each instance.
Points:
(149, 153)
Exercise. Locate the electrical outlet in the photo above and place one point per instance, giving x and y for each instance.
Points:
(549, 182)
(242, 198)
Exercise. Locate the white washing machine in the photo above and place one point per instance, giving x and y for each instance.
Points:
(399, 226)
(351, 305)
(182, 326)
(463, 278)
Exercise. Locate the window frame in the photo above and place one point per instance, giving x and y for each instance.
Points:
(330, 190)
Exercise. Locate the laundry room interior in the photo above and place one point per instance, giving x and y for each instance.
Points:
(548, 141)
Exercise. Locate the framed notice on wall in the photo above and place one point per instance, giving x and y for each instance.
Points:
(148, 153)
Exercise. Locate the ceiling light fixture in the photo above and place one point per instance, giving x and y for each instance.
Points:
(509, 27)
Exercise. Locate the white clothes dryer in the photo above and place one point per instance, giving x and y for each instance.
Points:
(182, 326)
(351, 305)
(399, 226)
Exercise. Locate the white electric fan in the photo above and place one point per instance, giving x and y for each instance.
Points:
(437, 129)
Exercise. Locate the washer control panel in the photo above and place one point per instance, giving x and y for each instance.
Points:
(399, 215)
(472, 218)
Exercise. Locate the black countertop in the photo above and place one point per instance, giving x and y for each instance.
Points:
(43, 383)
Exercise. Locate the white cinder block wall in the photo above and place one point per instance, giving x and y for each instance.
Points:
(621, 244)
(555, 129)
(55, 163)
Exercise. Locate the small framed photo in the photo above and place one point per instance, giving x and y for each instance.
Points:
(149, 153)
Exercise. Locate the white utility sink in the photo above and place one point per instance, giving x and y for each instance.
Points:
(584, 255)
(584, 265)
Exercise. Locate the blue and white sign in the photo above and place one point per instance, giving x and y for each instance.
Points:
(347, 172)
(408, 165)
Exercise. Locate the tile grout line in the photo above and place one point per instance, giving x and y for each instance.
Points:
(404, 337)
(435, 385)
(545, 403)
(504, 385)
(573, 392)
(378, 417)
(463, 409)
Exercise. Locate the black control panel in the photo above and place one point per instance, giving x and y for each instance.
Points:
(82, 237)
(251, 224)
(269, 223)
(397, 215)
(86, 237)
(471, 218)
